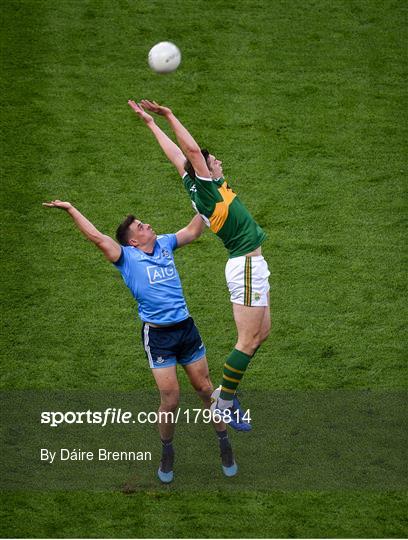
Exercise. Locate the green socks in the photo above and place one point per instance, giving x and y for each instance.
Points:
(234, 369)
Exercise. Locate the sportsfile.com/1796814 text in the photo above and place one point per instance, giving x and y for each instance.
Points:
(112, 416)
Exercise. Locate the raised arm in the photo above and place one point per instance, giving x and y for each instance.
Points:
(172, 151)
(188, 145)
(106, 244)
(191, 232)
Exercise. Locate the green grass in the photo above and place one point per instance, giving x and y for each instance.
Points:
(204, 515)
(305, 103)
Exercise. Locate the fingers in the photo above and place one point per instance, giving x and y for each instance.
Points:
(55, 204)
(51, 204)
(144, 104)
(132, 104)
(137, 107)
(153, 106)
(149, 105)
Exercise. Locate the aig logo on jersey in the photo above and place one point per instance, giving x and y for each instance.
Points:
(158, 274)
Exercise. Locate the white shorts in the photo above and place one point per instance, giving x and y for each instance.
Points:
(247, 280)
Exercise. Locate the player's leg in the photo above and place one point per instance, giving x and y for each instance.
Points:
(266, 322)
(193, 359)
(167, 383)
(250, 322)
(199, 377)
(247, 279)
(253, 326)
(158, 344)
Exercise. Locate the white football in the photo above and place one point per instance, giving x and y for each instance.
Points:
(164, 57)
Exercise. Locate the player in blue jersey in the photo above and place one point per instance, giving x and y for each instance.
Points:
(169, 334)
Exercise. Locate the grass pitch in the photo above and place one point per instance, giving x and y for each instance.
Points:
(305, 103)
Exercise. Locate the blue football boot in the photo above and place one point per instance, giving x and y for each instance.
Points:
(237, 417)
(165, 471)
(229, 467)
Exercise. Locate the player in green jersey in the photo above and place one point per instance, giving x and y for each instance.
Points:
(246, 270)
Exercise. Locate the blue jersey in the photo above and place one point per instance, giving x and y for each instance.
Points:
(154, 281)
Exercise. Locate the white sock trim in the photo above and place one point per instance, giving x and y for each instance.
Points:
(224, 403)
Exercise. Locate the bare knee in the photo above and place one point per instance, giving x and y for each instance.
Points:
(203, 386)
(204, 389)
(169, 401)
(249, 344)
(264, 334)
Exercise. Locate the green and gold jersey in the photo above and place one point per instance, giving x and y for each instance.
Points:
(225, 214)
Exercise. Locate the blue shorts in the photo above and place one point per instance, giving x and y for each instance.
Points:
(167, 346)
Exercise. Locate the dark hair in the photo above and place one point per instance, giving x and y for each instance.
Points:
(189, 168)
(122, 232)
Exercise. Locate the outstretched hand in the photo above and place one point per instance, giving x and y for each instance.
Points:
(142, 114)
(154, 107)
(58, 204)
